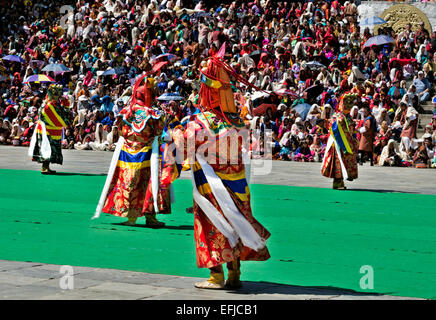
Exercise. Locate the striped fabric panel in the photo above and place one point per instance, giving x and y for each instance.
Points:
(131, 160)
(235, 182)
(52, 117)
(340, 138)
(53, 132)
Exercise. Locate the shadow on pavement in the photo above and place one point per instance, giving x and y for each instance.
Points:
(277, 288)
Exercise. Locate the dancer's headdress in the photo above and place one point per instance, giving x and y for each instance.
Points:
(347, 101)
(143, 92)
(216, 94)
(54, 91)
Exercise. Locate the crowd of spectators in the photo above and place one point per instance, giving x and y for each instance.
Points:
(303, 55)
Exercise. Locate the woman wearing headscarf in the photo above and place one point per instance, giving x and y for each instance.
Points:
(314, 114)
(410, 124)
(422, 55)
(100, 143)
(382, 116)
(15, 135)
(5, 130)
(326, 113)
(89, 80)
(355, 115)
(390, 155)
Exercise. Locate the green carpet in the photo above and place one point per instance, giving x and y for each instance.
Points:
(320, 237)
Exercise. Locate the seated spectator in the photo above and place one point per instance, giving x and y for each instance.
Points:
(27, 133)
(420, 158)
(4, 131)
(80, 140)
(68, 141)
(285, 126)
(317, 149)
(390, 155)
(100, 143)
(109, 119)
(112, 138)
(15, 136)
(428, 142)
(107, 104)
(423, 87)
(286, 147)
(303, 154)
(396, 92)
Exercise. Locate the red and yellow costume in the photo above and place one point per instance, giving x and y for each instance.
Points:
(221, 192)
(53, 116)
(340, 160)
(129, 194)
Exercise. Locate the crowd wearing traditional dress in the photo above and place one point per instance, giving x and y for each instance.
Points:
(300, 57)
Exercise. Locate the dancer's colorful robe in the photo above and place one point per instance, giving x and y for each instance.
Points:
(212, 247)
(342, 165)
(168, 171)
(127, 195)
(55, 117)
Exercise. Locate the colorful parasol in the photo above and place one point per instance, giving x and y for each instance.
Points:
(38, 78)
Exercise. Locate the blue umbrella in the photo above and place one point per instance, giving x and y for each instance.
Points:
(116, 70)
(55, 67)
(302, 109)
(14, 58)
(170, 96)
(200, 14)
(372, 21)
(378, 40)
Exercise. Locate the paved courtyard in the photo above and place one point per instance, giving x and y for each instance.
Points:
(381, 179)
(33, 280)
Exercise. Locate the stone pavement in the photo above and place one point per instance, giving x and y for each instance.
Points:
(38, 281)
(29, 280)
(378, 179)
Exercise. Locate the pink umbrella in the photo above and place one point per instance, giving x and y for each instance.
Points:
(159, 65)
